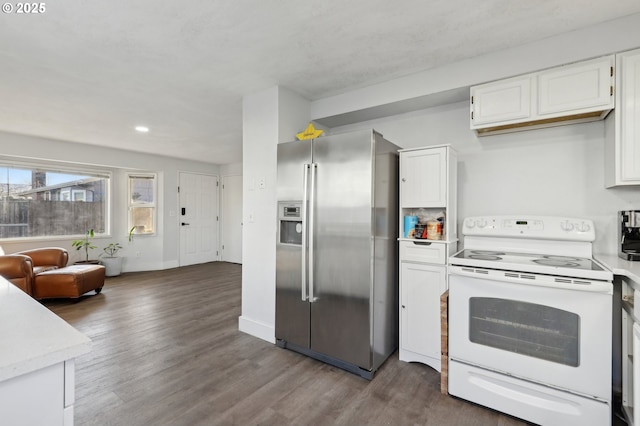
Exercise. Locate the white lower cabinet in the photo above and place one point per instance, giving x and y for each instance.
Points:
(636, 371)
(41, 397)
(420, 288)
(630, 351)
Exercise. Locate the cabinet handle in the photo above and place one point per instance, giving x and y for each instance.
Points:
(404, 180)
(421, 243)
(403, 306)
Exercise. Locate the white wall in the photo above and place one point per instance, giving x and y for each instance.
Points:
(156, 252)
(234, 169)
(269, 117)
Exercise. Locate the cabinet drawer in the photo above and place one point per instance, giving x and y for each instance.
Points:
(423, 251)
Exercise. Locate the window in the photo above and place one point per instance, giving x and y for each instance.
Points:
(142, 203)
(44, 201)
(79, 195)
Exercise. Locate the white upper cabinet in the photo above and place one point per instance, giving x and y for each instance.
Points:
(572, 93)
(423, 180)
(622, 127)
(505, 100)
(576, 88)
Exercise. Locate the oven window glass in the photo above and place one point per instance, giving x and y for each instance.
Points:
(525, 328)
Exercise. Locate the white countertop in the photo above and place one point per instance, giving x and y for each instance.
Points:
(31, 336)
(619, 266)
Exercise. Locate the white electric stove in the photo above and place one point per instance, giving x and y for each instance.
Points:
(530, 320)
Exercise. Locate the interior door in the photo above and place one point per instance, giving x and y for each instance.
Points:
(342, 247)
(198, 217)
(231, 237)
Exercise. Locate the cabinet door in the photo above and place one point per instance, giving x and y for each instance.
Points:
(420, 289)
(501, 101)
(423, 178)
(577, 88)
(628, 114)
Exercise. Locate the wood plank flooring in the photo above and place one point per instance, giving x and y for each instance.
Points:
(167, 351)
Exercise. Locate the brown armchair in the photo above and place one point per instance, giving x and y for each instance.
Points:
(18, 269)
(22, 267)
(45, 259)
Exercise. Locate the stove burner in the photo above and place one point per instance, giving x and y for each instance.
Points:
(488, 252)
(556, 262)
(563, 258)
(484, 257)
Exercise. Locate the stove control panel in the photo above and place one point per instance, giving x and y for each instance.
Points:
(521, 224)
(540, 227)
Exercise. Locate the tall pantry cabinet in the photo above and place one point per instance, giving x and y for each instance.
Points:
(427, 190)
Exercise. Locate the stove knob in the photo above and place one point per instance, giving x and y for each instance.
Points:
(469, 223)
(481, 223)
(566, 226)
(583, 227)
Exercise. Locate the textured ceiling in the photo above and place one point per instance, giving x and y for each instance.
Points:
(89, 71)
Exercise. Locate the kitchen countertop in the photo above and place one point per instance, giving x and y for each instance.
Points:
(31, 336)
(620, 266)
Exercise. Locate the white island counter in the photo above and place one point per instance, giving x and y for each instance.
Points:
(37, 352)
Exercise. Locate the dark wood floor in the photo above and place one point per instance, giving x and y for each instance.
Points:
(167, 351)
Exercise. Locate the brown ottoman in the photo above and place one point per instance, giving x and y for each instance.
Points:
(71, 281)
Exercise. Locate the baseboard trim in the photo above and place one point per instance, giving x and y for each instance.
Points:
(257, 329)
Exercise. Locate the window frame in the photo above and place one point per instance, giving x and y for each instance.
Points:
(131, 204)
(65, 168)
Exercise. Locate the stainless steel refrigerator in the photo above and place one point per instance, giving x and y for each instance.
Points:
(336, 250)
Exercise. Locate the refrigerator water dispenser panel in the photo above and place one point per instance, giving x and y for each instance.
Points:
(290, 223)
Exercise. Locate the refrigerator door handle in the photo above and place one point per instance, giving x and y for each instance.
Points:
(312, 205)
(303, 215)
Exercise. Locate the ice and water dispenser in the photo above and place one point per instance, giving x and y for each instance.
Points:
(290, 222)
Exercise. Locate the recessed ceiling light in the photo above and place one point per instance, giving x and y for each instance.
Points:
(142, 129)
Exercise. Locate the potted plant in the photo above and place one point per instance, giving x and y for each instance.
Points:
(86, 245)
(110, 260)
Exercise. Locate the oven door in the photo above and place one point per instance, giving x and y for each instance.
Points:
(550, 335)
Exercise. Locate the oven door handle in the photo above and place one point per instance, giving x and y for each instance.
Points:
(537, 280)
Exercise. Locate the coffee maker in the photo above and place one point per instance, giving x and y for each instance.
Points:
(629, 233)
